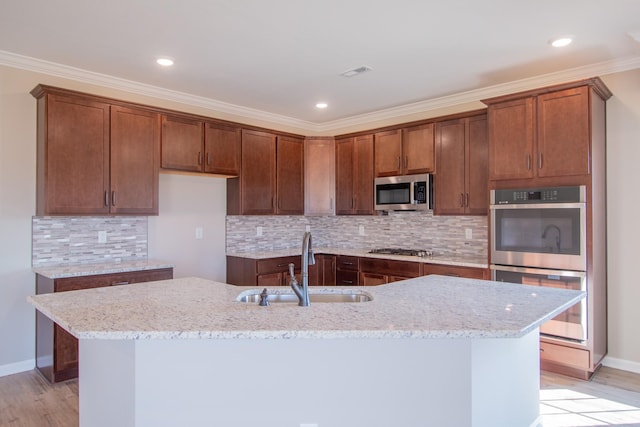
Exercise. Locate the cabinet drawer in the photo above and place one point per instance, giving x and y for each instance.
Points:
(346, 278)
(344, 262)
(102, 280)
(273, 265)
(404, 269)
(575, 357)
(452, 270)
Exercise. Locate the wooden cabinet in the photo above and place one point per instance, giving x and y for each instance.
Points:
(323, 272)
(456, 271)
(266, 272)
(462, 162)
(94, 157)
(319, 176)
(405, 151)
(271, 180)
(376, 271)
(289, 175)
(192, 145)
(56, 349)
(544, 133)
(354, 175)
(347, 270)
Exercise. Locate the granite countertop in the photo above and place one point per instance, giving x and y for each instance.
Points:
(460, 261)
(193, 308)
(74, 270)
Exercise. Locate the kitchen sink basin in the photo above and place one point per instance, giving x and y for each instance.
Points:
(253, 296)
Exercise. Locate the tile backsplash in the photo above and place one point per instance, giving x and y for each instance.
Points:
(74, 240)
(416, 230)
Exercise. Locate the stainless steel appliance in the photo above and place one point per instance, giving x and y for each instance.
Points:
(538, 237)
(406, 192)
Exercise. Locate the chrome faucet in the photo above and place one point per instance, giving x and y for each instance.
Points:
(307, 259)
(558, 237)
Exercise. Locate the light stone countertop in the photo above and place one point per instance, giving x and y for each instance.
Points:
(193, 308)
(459, 261)
(75, 270)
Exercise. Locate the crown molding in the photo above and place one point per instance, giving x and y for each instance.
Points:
(77, 74)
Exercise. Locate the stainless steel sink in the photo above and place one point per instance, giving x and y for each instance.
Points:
(253, 296)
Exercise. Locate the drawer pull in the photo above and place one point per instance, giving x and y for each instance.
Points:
(120, 283)
(348, 282)
(282, 265)
(347, 263)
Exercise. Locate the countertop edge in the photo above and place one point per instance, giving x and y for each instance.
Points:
(78, 270)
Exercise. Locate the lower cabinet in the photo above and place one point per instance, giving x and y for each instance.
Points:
(271, 272)
(347, 270)
(573, 361)
(56, 349)
(374, 271)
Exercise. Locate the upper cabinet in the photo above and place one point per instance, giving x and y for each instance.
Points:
(462, 157)
(192, 145)
(544, 133)
(319, 176)
(94, 157)
(354, 175)
(271, 180)
(405, 151)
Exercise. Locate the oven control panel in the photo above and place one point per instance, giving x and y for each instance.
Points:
(575, 194)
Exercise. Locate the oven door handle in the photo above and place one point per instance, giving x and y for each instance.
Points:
(540, 206)
(542, 271)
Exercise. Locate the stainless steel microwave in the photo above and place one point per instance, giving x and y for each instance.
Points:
(404, 193)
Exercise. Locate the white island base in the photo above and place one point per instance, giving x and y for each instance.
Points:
(386, 382)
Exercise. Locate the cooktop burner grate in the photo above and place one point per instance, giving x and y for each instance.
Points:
(402, 251)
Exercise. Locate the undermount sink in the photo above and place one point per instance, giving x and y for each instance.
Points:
(253, 296)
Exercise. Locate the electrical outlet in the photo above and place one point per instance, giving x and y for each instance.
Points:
(468, 233)
(308, 228)
(102, 237)
(361, 230)
(258, 231)
(199, 233)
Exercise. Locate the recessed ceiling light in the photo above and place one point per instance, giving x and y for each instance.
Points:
(164, 61)
(322, 105)
(561, 41)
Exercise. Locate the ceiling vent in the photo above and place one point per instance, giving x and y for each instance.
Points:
(355, 71)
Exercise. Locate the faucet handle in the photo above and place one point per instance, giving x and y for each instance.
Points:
(312, 258)
(263, 298)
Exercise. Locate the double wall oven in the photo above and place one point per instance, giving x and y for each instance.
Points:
(538, 237)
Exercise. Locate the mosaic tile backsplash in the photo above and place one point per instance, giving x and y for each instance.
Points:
(416, 230)
(75, 240)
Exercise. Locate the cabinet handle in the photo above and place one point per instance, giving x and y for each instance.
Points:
(398, 162)
(347, 263)
(353, 202)
(199, 157)
(539, 160)
(208, 158)
(282, 265)
(528, 161)
(406, 163)
(331, 203)
(106, 198)
(120, 283)
(113, 198)
(466, 199)
(348, 282)
(462, 200)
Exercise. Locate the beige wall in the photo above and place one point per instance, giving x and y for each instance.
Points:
(187, 202)
(623, 226)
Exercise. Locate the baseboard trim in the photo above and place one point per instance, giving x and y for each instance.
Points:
(625, 365)
(15, 368)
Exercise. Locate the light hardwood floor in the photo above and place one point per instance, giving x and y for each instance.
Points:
(611, 398)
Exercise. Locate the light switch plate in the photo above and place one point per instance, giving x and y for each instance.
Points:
(102, 237)
(468, 233)
(199, 233)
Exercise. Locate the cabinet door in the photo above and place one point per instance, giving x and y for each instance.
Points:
(319, 176)
(477, 166)
(388, 153)
(258, 175)
(73, 156)
(363, 175)
(344, 176)
(373, 279)
(450, 179)
(181, 144)
(222, 149)
(511, 139)
(270, 280)
(290, 176)
(564, 147)
(418, 149)
(135, 161)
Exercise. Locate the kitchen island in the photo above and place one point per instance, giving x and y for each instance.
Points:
(432, 350)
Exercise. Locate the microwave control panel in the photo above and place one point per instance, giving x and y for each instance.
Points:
(574, 194)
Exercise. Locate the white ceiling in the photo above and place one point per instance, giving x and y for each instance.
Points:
(280, 57)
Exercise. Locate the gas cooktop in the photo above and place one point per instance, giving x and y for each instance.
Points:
(401, 251)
